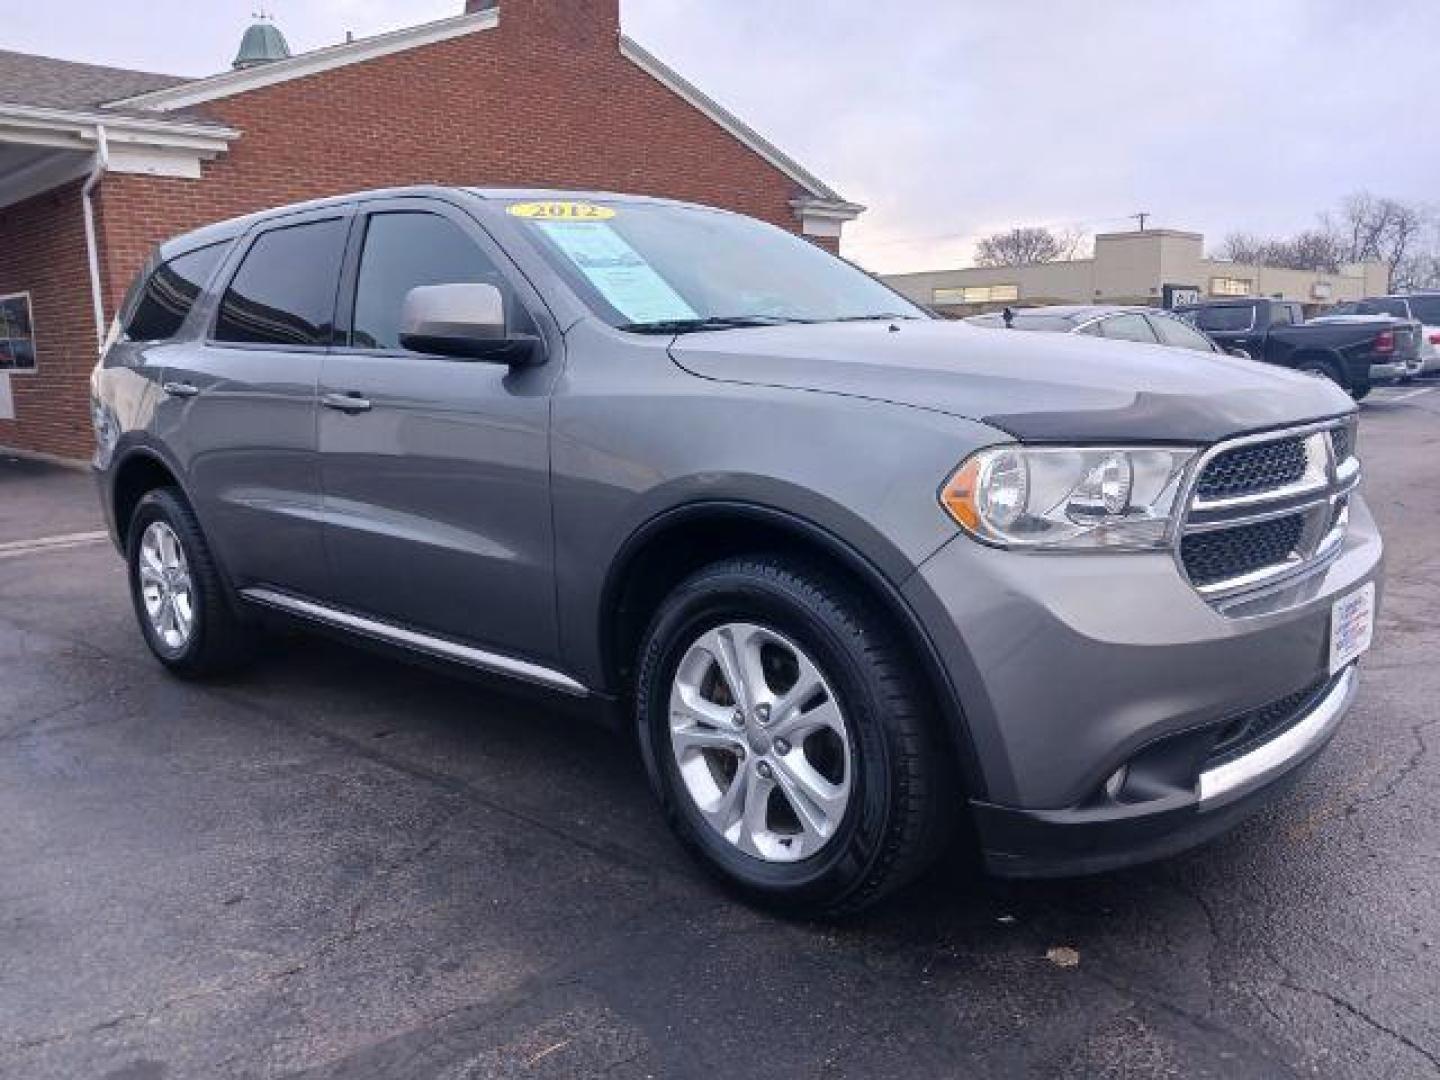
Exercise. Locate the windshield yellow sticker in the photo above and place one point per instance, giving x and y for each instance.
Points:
(561, 211)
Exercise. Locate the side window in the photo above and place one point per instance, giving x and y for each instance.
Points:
(1127, 327)
(404, 251)
(1281, 315)
(1179, 334)
(1392, 307)
(284, 291)
(1228, 318)
(170, 292)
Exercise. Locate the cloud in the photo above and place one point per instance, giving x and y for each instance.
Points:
(951, 118)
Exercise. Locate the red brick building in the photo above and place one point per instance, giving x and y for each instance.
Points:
(99, 164)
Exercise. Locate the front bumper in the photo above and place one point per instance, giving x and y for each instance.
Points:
(1070, 667)
(1087, 840)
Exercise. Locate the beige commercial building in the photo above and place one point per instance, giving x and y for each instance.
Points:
(1163, 267)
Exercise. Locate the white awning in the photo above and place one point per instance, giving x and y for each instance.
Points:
(41, 149)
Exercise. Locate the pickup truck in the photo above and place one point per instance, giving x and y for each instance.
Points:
(1357, 354)
(1423, 307)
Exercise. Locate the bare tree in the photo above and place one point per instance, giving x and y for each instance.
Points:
(1243, 248)
(1074, 243)
(1364, 228)
(1373, 229)
(1026, 244)
(1315, 249)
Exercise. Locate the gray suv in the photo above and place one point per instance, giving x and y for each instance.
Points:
(854, 577)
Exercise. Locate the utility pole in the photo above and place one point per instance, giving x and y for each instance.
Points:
(1141, 217)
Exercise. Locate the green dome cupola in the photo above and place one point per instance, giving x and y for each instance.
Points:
(262, 44)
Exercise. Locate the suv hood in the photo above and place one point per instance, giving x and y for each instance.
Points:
(1035, 386)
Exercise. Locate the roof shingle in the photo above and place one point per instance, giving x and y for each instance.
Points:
(43, 82)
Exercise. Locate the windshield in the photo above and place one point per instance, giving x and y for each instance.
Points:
(656, 267)
(1019, 320)
(1426, 309)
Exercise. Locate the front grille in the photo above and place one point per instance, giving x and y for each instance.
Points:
(1241, 734)
(1341, 439)
(1252, 469)
(1228, 553)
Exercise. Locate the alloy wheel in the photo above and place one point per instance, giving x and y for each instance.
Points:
(761, 742)
(166, 588)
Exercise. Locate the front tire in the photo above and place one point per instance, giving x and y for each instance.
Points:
(788, 737)
(180, 600)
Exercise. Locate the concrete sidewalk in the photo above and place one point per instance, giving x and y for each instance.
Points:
(38, 500)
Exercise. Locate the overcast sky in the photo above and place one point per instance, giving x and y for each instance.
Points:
(953, 118)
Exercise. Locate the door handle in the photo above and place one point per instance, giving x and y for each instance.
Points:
(180, 389)
(346, 403)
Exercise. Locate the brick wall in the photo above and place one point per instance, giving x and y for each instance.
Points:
(546, 99)
(42, 252)
(532, 103)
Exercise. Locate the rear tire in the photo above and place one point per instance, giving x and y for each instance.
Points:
(181, 603)
(857, 803)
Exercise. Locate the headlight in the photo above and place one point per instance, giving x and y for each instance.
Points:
(1068, 498)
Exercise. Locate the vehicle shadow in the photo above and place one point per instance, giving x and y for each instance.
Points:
(531, 756)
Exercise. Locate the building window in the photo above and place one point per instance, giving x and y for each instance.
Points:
(17, 333)
(1229, 286)
(977, 294)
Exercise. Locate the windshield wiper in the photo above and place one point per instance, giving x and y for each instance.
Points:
(885, 316)
(710, 322)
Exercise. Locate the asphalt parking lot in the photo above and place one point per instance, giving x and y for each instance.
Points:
(341, 866)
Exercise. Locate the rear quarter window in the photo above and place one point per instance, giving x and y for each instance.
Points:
(167, 295)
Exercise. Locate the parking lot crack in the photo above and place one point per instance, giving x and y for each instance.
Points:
(32, 726)
(1422, 748)
(1365, 1018)
(1288, 980)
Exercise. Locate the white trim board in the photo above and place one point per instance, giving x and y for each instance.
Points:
(314, 62)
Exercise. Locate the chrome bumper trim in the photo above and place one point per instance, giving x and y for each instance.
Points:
(1267, 761)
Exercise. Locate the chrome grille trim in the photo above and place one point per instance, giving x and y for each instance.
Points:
(1320, 495)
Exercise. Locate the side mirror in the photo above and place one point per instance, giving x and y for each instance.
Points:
(463, 321)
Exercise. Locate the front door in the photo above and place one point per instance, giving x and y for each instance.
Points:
(435, 471)
(243, 402)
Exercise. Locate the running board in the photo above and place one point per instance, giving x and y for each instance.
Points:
(416, 641)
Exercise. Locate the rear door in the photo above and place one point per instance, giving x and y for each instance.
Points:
(436, 471)
(242, 412)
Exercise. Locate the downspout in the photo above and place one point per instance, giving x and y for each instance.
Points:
(92, 251)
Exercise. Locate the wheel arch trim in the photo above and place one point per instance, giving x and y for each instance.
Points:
(937, 675)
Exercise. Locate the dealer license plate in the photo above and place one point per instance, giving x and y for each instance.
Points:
(1352, 625)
